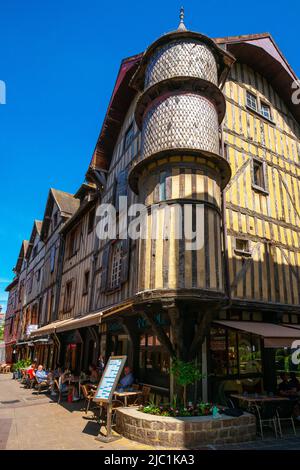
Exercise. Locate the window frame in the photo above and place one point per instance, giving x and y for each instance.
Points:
(250, 95)
(86, 282)
(91, 219)
(262, 189)
(114, 286)
(263, 103)
(68, 289)
(240, 252)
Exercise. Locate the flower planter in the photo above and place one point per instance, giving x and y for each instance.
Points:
(184, 432)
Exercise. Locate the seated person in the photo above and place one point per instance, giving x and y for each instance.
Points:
(41, 375)
(57, 371)
(30, 373)
(294, 382)
(65, 386)
(127, 380)
(94, 375)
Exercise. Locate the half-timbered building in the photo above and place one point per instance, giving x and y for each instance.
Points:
(207, 126)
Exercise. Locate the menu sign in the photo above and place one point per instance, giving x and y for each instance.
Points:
(110, 378)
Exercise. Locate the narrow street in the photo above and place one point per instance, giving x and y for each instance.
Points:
(30, 421)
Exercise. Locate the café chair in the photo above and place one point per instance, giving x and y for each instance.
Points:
(88, 395)
(59, 391)
(266, 416)
(284, 413)
(41, 385)
(143, 399)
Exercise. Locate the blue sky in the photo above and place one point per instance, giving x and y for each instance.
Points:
(59, 60)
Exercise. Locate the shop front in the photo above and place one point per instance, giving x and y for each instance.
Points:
(247, 357)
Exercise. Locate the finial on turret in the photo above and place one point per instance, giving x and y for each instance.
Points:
(181, 26)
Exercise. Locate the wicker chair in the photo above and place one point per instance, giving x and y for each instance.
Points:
(88, 396)
(41, 385)
(143, 399)
(61, 393)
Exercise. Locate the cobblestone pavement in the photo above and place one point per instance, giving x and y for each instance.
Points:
(31, 421)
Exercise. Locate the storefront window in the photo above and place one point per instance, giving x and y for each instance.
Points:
(153, 356)
(234, 353)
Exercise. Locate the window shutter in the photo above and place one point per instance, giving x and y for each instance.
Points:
(121, 186)
(78, 238)
(73, 293)
(125, 260)
(105, 267)
(62, 299)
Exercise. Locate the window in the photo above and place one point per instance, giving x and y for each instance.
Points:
(67, 299)
(259, 175)
(38, 275)
(91, 220)
(265, 110)
(116, 263)
(235, 354)
(162, 185)
(86, 283)
(251, 101)
(242, 246)
(73, 243)
(153, 357)
(128, 136)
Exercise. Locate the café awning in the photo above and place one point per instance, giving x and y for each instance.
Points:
(68, 324)
(274, 336)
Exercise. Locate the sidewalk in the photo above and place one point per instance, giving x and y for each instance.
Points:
(30, 421)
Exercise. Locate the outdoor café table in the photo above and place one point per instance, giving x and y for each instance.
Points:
(258, 399)
(125, 395)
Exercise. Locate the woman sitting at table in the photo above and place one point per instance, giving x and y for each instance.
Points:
(289, 389)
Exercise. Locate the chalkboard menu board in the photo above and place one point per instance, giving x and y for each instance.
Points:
(110, 378)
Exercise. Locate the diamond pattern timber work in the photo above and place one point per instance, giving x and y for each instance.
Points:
(181, 58)
(181, 121)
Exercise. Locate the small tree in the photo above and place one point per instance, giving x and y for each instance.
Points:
(1, 333)
(185, 373)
